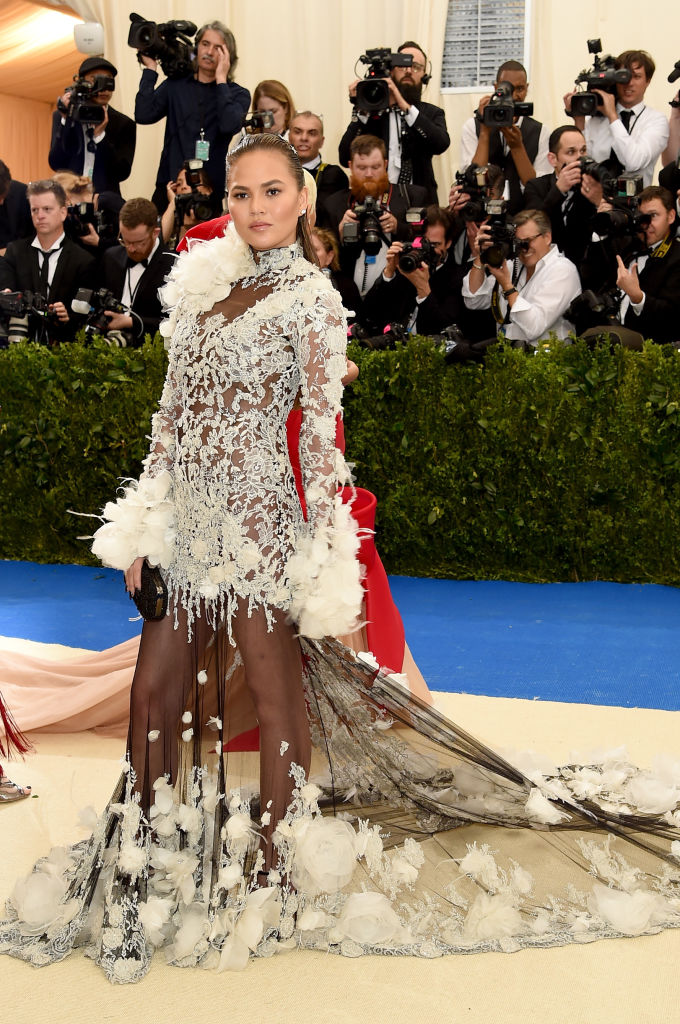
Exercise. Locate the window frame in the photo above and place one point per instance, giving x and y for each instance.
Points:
(453, 90)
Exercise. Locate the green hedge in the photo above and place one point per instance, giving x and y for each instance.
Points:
(559, 466)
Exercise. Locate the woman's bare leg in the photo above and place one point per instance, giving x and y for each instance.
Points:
(273, 667)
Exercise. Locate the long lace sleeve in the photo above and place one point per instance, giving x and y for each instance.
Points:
(324, 574)
(140, 522)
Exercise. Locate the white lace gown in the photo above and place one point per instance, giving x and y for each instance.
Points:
(386, 847)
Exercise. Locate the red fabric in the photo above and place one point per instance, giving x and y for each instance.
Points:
(15, 741)
(208, 229)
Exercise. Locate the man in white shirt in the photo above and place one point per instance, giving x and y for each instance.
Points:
(528, 299)
(627, 133)
(520, 150)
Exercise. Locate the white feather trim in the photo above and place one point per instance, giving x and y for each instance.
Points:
(539, 808)
(324, 577)
(140, 523)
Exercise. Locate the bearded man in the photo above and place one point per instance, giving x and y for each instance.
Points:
(413, 131)
(365, 237)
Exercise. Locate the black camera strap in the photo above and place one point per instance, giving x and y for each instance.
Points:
(503, 318)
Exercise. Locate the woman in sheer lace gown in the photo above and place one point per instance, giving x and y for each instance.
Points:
(361, 825)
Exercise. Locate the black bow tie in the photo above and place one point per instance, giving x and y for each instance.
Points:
(136, 263)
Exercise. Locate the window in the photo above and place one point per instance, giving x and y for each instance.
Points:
(481, 35)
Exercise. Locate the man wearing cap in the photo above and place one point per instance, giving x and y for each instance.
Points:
(103, 151)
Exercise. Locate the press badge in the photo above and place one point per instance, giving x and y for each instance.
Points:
(202, 149)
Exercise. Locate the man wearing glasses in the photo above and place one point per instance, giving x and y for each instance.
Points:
(413, 131)
(134, 271)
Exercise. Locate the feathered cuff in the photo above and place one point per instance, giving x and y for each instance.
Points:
(324, 576)
(140, 523)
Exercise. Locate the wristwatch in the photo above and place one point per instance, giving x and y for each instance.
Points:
(508, 292)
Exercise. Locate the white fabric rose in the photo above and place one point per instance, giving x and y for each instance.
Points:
(368, 918)
(324, 858)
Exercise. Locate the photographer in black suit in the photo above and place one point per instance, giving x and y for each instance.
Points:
(421, 295)
(651, 283)
(134, 271)
(49, 265)
(15, 213)
(413, 131)
(103, 151)
(559, 193)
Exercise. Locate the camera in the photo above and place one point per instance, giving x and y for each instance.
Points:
(80, 216)
(420, 252)
(593, 309)
(623, 224)
(203, 206)
(170, 43)
(366, 230)
(599, 172)
(502, 231)
(91, 304)
(373, 94)
(603, 75)
(21, 303)
(29, 316)
(502, 109)
(260, 121)
(80, 107)
(479, 183)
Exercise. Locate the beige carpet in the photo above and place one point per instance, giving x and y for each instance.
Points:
(610, 982)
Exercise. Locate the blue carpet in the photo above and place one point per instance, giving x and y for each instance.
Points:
(597, 643)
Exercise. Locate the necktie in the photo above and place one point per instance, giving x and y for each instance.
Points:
(136, 263)
(91, 144)
(626, 116)
(45, 271)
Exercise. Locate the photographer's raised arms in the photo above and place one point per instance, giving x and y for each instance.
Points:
(387, 104)
(503, 133)
(203, 105)
(89, 137)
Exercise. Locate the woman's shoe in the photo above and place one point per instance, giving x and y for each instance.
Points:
(10, 791)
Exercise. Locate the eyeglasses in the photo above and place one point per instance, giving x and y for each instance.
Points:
(417, 66)
(136, 244)
(524, 243)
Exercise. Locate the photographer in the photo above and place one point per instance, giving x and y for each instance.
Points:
(364, 240)
(101, 150)
(417, 286)
(92, 219)
(651, 283)
(519, 149)
(413, 131)
(528, 298)
(184, 213)
(626, 134)
(560, 194)
(49, 265)
(135, 270)
(203, 110)
(15, 213)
